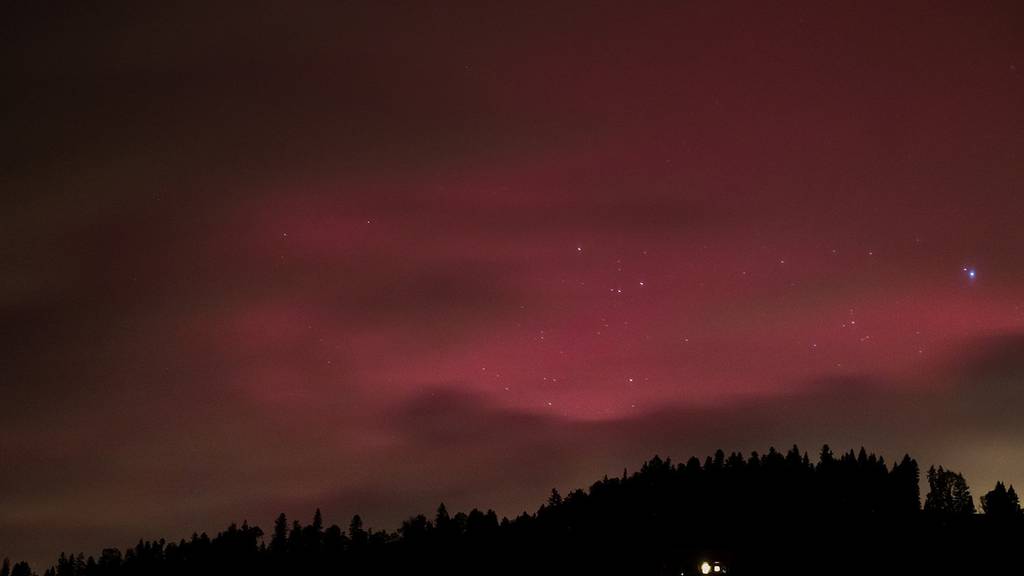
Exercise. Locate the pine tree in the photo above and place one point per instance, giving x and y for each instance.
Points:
(555, 498)
(279, 542)
(1000, 502)
(356, 533)
(963, 502)
(948, 493)
(905, 485)
(1011, 494)
(442, 521)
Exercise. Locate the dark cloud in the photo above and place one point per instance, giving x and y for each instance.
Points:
(472, 434)
(989, 390)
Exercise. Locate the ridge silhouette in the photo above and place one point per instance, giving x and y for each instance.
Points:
(776, 513)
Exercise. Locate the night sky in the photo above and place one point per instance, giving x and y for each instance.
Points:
(369, 257)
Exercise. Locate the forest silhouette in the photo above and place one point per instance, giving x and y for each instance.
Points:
(776, 513)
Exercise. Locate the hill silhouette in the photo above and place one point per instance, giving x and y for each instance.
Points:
(776, 513)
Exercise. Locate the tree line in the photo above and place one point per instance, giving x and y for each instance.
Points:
(776, 512)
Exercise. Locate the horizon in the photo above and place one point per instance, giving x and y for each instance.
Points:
(898, 470)
(850, 491)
